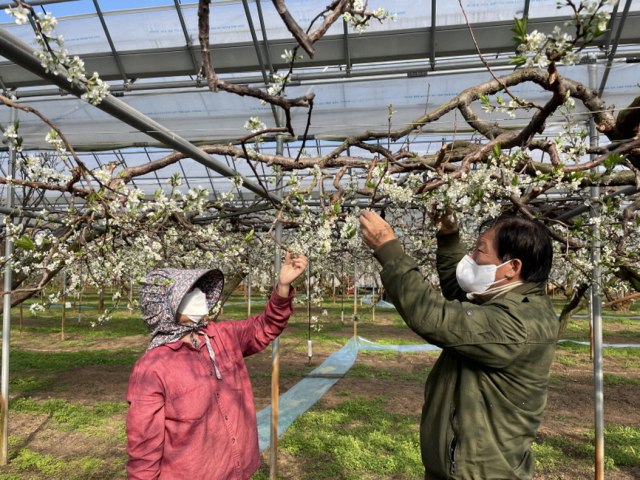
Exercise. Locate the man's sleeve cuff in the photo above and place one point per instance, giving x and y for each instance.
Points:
(449, 241)
(388, 251)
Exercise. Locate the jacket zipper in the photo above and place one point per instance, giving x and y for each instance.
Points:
(453, 445)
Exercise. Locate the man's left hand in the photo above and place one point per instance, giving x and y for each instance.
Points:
(375, 230)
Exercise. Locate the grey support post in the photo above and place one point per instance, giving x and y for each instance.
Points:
(6, 315)
(275, 354)
(596, 300)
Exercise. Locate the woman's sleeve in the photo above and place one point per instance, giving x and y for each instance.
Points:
(256, 333)
(145, 425)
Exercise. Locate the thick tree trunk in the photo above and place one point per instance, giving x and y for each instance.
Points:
(101, 301)
(230, 284)
(572, 306)
(20, 278)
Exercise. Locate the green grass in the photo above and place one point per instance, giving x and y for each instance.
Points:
(566, 359)
(283, 373)
(122, 324)
(622, 449)
(574, 328)
(320, 338)
(46, 362)
(548, 457)
(29, 384)
(612, 379)
(623, 333)
(622, 445)
(361, 371)
(553, 378)
(398, 341)
(630, 363)
(47, 466)
(13, 441)
(628, 352)
(385, 354)
(357, 439)
(366, 371)
(622, 321)
(69, 416)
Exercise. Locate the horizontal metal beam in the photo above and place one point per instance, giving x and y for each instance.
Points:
(361, 74)
(19, 52)
(368, 47)
(626, 191)
(35, 3)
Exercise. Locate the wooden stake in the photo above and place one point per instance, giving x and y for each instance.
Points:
(131, 297)
(373, 307)
(80, 305)
(249, 295)
(275, 396)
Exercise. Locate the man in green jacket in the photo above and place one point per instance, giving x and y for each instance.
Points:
(485, 397)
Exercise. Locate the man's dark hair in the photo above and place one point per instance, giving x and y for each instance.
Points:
(526, 240)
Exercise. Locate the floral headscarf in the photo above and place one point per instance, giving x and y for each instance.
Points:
(161, 295)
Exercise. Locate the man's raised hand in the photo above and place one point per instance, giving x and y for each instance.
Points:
(375, 230)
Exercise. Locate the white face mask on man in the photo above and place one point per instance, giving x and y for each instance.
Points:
(194, 305)
(474, 278)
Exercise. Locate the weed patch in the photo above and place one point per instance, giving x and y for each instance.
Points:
(613, 379)
(49, 467)
(553, 378)
(46, 362)
(357, 439)
(29, 384)
(626, 352)
(69, 416)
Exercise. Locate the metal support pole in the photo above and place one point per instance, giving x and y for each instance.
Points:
(345, 284)
(130, 296)
(355, 297)
(249, 294)
(64, 301)
(275, 353)
(612, 53)
(17, 51)
(373, 304)
(432, 35)
(6, 316)
(309, 347)
(347, 50)
(114, 50)
(596, 303)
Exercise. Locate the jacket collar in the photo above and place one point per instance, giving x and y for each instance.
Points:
(521, 292)
(531, 289)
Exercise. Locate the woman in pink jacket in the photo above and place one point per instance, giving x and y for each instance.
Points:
(191, 411)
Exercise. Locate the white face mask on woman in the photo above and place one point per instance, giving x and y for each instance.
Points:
(194, 305)
(474, 278)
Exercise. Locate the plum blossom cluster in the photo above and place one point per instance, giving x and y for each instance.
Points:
(359, 18)
(11, 137)
(58, 60)
(589, 20)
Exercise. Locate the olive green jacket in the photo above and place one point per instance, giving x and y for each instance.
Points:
(484, 398)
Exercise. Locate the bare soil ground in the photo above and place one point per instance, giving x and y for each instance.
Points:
(569, 413)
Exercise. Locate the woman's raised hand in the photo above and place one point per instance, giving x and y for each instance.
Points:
(291, 269)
